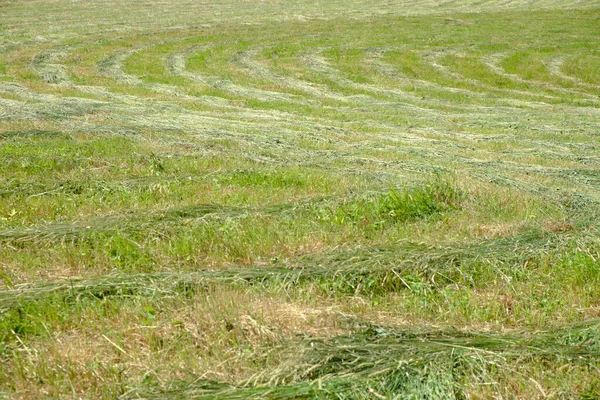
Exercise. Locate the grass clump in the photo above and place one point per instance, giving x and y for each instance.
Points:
(425, 201)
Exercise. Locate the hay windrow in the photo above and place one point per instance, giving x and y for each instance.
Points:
(174, 174)
(381, 362)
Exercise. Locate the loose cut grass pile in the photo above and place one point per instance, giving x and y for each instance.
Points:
(292, 200)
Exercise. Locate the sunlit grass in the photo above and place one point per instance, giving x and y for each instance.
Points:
(299, 200)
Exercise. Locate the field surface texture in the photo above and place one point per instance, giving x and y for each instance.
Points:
(300, 199)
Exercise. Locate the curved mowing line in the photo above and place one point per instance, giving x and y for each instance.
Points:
(493, 61)
(112, 66)
(315, 60)
(435, 57)
(176, 63)
(391, 71)
(246, 60)
(555, 66)
(388, 70)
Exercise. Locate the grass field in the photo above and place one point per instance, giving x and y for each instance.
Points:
(300, 199)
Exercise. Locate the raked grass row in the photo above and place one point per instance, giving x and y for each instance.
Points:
(337, 200)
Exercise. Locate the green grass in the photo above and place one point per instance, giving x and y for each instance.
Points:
(289, 200)
(584, 68)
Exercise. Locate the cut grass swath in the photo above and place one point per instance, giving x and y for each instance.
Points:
(382, 362)
(346, 271)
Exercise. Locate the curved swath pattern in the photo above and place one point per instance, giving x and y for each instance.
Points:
(586, 75)
(205, 181)
(494, 61)
(324, 83)
(177, 65)
(555, 65)
(252, 90)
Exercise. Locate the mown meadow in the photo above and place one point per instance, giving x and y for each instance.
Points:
(300, 199)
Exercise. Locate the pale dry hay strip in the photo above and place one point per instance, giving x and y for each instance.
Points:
(132, 110)
(48, 105)
(268, 123)
(47, 65)
(514, 105)
(409, 139)
(392, 72)
(510, 113)
(176, 64)
(315, 60)
(434, 57)
(557, 148)
(375, 59)
(45, 105)
(270, 136)
(139, 115)
(41, 104)
(493, 62)
(430, 115)
(239, 127)
(318, 63)
(26, 93)
(14, 109)
(215, 125)
(246, 60)
(112, 66)
(545, 118)
(555, 68)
